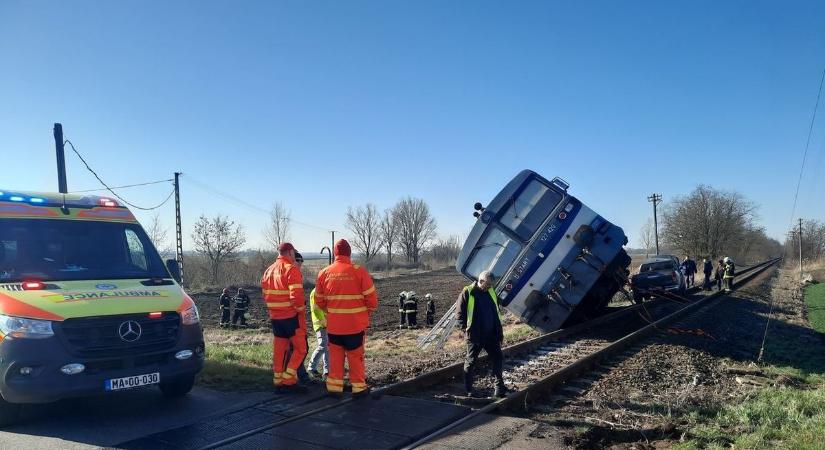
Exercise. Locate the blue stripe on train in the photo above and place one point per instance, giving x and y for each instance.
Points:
(548, 247)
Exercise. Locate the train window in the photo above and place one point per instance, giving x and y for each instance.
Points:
(528, 211)
(497, 252)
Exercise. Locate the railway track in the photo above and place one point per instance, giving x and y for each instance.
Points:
(532, 368)
(572, 359)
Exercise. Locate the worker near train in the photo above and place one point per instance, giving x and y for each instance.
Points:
(717, 276)
(707, 270)
(241, 302)
(729, 274)
(689, 269)
(480, 319)
(346, 294)
(401, 297)
(321, 352)
(411, 309)
(225, 304)
(430, 309)
(282, 286)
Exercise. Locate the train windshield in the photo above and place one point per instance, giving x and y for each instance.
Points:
(527, 211)
(497, 252)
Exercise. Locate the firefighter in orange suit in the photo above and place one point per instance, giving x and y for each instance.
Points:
(282, 287)
(344, 291)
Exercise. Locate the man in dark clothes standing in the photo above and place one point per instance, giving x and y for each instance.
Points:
(225, 304)
(707, 269)
(689, 269)
(430, 309)
(480, 319)
(241, 306)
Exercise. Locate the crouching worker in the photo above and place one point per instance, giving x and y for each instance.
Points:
(283, 291)
(479, 317)
(344, 291)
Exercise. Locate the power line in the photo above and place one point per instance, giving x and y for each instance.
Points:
(123, 187)
(242, 202)
(110, 189)
(807, 144)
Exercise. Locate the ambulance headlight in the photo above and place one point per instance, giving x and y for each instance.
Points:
(190, 316)
(19, 327)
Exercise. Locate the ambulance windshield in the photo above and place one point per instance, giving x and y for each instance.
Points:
(63, 250)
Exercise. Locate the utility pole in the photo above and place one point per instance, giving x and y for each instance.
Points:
(61, 159)
(178, 229)
(655, 199)
(800, 249)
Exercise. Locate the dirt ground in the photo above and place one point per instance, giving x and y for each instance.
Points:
(706, 362)
(392, 354)
(443, 284)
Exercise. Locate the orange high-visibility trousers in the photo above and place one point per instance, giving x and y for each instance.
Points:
(351, 349)
(285, 372)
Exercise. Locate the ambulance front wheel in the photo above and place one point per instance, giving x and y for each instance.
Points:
(178, 387)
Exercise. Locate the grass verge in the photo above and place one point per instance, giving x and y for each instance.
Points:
(815, 299)
(789, 414)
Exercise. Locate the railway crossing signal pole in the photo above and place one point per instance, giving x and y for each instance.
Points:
(61, 159)
(332, 246)
(800, 249)
(178, 230)
(655, 199)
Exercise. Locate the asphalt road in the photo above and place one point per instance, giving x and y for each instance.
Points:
(107, 420)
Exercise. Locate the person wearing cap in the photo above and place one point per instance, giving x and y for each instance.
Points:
(346, 294)
(729, 273)
(303, 375)
(430, 309)
(480, 319)
(241, 301)
(225, 303)
(283, 291)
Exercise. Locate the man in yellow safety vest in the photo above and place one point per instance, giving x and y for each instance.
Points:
(480, 319)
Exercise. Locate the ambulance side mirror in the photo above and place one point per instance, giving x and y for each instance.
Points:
(174, 269)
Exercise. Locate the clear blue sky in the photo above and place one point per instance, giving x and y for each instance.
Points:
(322, 105)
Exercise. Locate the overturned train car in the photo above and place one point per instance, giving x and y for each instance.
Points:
(555, 260)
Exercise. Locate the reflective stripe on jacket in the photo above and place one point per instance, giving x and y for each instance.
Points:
(729, 270)
(283, 289)
(319, 319)
(345, 292)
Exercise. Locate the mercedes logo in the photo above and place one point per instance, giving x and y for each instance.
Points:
(129, 331)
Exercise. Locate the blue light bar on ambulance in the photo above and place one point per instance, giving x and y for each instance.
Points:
(16, 198)
(36, 200)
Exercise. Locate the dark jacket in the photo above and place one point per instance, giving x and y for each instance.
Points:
(486, 325)
(689, 267)
(431, 308)
(708, 268)
(225, 301)
(241, 301)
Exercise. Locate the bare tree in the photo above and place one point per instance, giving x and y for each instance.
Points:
(278, 229)
(708, 222)
(364, 222)
(218, 240)
(647, 237)
(388, 228)
(159, 235)
(445, 251)
(416, 227)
